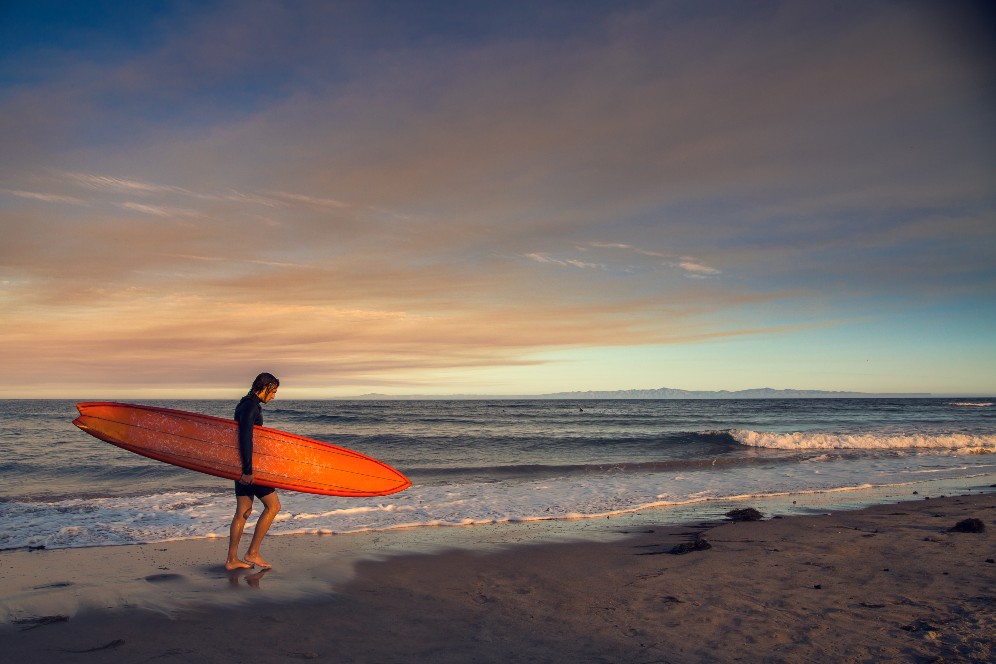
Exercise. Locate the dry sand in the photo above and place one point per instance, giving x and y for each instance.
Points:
(886, 583)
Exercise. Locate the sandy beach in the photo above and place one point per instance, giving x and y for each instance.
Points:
(890, 582)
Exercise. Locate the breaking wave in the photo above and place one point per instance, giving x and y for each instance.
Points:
(815, 440)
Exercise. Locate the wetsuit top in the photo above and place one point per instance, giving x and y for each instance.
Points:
(247, 413)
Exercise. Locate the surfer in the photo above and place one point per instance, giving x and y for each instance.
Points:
(249, 412)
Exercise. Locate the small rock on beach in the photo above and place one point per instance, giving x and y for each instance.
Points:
(968, 526)
(688, 547)
(746, 514)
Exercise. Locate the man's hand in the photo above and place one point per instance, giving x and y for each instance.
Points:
(245, 479)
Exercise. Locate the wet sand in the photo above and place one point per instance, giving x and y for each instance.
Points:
(886, 583)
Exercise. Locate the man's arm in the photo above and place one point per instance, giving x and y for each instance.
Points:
(246, 419)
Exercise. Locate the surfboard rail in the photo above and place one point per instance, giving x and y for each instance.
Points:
(209, 445)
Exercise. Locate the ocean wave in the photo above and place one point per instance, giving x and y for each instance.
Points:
(531, 471)
(164, 516)
(970, 404)
(815, 440)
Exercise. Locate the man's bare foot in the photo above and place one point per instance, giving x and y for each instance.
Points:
(237, 564)
(258, 560)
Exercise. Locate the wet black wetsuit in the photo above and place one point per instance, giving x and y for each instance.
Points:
(249, 412)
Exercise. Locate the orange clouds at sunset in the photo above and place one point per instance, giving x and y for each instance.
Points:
(499, 200)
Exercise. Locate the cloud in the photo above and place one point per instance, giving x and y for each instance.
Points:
(571, 262)
(310, 200)
(639, 174)
(45, 198)
(626, 247)
(158, 211)
(697, 269)
(692, 266)
(108, 183)
(220, 259)
(210, 342)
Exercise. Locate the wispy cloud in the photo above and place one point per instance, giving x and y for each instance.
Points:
(566, 262)
(43, 197)
(627, 247)
(230, 260)
(109, 183)
(252, 199)
(692, 267)
(310, 200)
(158, 211)
(697, 269)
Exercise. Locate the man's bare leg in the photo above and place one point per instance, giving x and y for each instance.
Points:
(243, 509)
(271, 505)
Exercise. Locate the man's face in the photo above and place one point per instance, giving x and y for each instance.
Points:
(268, 394)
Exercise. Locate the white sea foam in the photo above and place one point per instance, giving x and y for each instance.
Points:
(350, 511)
(971, 404)
(816, 440)
(63, 523)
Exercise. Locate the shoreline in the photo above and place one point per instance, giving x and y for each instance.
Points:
(30, 580)
(790, 588)
(811, 501)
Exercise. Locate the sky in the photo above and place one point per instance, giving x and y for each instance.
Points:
(496, 197)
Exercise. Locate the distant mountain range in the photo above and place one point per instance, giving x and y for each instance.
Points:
(670, 393)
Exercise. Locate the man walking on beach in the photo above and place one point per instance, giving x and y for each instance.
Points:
(248, 413)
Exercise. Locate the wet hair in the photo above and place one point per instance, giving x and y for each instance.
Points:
(263, 381)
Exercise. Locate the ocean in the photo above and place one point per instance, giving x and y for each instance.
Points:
(491, 461)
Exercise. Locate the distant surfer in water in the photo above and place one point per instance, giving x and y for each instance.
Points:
(249, 412)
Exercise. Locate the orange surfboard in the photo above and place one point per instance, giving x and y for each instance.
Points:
(210, 445)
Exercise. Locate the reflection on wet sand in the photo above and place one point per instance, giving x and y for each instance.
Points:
(252, 578)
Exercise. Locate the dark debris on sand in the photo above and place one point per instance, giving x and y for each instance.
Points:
(33, 622)
(697, 544)
(687, 547)
(116, 643)
(968, 526)
(746, 514)
(920, 626)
